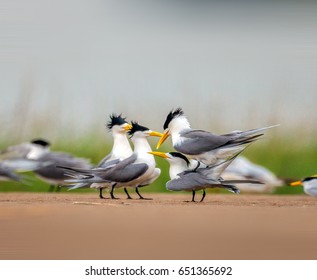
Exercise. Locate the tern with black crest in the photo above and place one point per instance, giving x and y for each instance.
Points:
(203, 146)
(183, 179)
(136, 171)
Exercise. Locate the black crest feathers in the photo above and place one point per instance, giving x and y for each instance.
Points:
(172, 114)
(176, 154)
(41, 142)
(136, 127)
(115, 120)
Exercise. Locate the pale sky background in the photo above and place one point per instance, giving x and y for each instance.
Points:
(65, 65)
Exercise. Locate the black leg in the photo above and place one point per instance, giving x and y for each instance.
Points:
(193, 197)
(140, 196)
(111, 192)
(204, 194)
(126, 191)
(192, 170)
(100, 194)
(198, 164)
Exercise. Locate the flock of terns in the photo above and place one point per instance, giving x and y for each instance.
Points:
(201, 160)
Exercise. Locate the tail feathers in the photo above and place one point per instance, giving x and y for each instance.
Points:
(243, 140)
(79, 186)
(252, 131)
(74, 170)
(215, 171)
(81, 176)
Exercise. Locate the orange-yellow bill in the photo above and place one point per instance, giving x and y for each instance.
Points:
(297, 183)
(157, 134)
(127, 127)
(159, 154)
(162, 139)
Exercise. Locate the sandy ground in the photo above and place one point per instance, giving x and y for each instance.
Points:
(81, 226)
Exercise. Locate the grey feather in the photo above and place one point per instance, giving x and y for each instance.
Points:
(60, 159)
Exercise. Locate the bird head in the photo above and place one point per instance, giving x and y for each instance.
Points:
(137, 129)
(175, 121)
(118, 123)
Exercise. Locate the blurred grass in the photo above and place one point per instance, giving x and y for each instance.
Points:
(288, 157)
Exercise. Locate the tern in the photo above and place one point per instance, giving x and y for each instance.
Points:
(121, 149)
(183, 179)
(203, 146)
(27, 150)
(39, 150)
(136, 171)
(309, 183)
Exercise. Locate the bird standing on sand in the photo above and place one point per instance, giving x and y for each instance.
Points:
(183, 179)
(121, 149)
(136, 171)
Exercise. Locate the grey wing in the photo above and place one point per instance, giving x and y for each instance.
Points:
(200, 141)
(63, 159)
(127, 174)
(188, 181)
(125, 171)
(16, 151)
(24, 165)
(104, 160)
(60, 159)
(8, 173)
(107, 164)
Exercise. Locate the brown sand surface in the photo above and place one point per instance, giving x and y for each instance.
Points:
(81, 226)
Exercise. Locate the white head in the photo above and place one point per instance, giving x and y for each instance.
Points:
(175, 122)
(118, 124)
(38, 147)
(178, 162)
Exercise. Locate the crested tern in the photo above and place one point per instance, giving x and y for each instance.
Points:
(204, 177)
(309, 184)
(203, 146)
(136, 171)
(121, 149)
(39, 150)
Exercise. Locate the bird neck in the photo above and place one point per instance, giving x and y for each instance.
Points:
(37, 152)
(175, 169)
(121, 147)
(141, 145)
(177, 126)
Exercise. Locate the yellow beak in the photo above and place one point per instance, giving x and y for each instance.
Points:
(297, 183)
(163, 138)
(159, 154)
(154, 133)
(127, 127)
